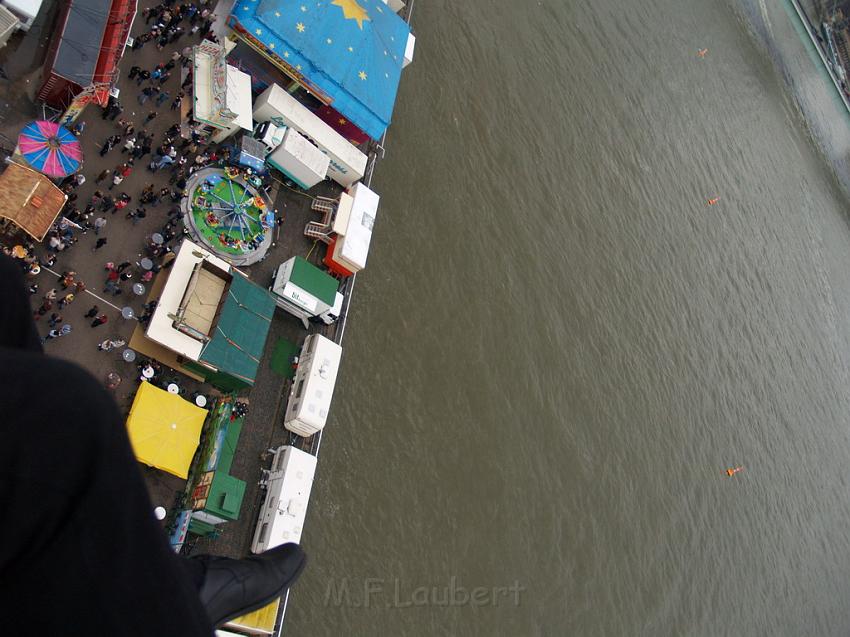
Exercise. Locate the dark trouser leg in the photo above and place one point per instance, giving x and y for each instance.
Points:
(79, 546)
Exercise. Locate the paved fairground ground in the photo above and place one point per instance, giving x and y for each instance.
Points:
(126, 242)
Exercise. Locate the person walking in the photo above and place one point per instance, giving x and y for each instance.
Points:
(134, 71)
(150, 117)
(116, 181)
(99, 320)
(129, 147)
(121, 203)
(93, 310)
(109, 344)
(54, 244)
(66, 279)
(103, 175)
(146, 94)
(113, 110)
(79, 288)
(107, 146)
(98, 225)
(54, 320)
(51, 295)
(143, 75)
(177, 102)
(43, 309)
(140, 214)
(107, 203)
(164, 161)
(162, 97)
(66, 300)
(99, 244)
(50, 336)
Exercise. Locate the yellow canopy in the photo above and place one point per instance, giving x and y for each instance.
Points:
(164, 429)
(260, 622)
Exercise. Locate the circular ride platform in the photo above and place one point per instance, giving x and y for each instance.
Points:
(228, 215)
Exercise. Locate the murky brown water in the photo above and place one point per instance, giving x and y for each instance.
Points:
(558, 347)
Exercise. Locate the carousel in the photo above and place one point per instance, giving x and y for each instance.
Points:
(226, 211)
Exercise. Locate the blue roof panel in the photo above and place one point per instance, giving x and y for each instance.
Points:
(351, 50)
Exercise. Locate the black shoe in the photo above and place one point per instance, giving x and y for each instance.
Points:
(235, 587)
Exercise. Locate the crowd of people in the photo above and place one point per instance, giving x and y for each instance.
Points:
(179, 151)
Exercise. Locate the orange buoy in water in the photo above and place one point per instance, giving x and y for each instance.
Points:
(732, 472)
(702, 52)
(711, 202)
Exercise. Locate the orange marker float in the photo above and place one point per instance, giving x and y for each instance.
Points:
(732, 472)
(702, 52)
(711, 202)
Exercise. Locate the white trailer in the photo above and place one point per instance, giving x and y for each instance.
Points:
(287, 496)
(313, 386)
(299, 160)
(347, 163)
(302, 289)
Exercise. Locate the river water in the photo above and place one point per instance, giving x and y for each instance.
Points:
(559, 347)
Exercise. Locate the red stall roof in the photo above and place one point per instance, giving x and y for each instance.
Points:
(92, 40)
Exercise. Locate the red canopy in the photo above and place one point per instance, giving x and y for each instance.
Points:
(341, 125)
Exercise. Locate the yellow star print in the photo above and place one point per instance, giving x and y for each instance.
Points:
(362, 75)
(342, 121)
(301, 28)
(286, 54)
(271, 45)
(351, 49)
(330, 41)
(352, 11)
(259, 32)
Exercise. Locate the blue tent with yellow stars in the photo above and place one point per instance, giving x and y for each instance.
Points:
(349, 53)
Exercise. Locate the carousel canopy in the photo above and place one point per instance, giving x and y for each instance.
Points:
(50, 148)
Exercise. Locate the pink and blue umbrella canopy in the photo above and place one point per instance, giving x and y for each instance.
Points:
(50, 148)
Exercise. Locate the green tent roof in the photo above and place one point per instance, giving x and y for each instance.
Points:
(237, 342)
(225, 496)
(313, 280)
(230, 442)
